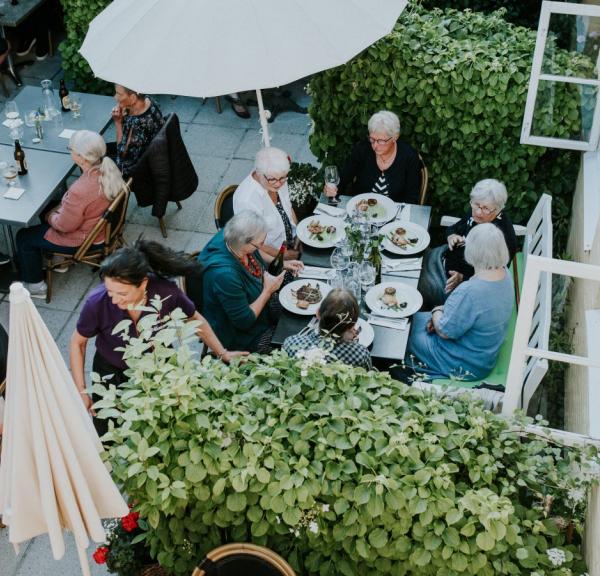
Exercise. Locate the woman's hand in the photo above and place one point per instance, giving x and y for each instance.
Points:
(292, 254)
(273, 283)
(293, 265)
(117, 115)
(454, 280)
(87, 402)
(228, 356)
(455, 240)
(429, 327)
(330, 190)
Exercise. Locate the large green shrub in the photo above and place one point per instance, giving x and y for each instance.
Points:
(458, 81)
(341, 471)
(78, 15)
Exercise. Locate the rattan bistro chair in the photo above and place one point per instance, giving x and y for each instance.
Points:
(424, 182)
(240, 559)
(111, 223)
(224, 206)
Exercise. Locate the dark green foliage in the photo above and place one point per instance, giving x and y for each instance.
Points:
(78, 15)
(458, 81)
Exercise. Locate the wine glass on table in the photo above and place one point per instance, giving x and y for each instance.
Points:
(367, 275)
(332, 179)
(339, 260)
(11, 110)
(75, 106)
(10, 173)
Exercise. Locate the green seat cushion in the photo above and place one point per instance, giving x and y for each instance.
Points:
(500, 371)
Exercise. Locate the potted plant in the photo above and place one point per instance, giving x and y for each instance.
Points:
(305, 187)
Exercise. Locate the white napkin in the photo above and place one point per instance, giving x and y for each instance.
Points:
(12, 122)
(316, 272)
(330, 210)
(404, 264)
(66, 133)
(403, 214)
(14, 193)
(394, 323)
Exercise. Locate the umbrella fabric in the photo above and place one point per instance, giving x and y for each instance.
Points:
(51, 474)
(207, 48)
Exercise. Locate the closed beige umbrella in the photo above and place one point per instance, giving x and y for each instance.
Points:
(51, 474)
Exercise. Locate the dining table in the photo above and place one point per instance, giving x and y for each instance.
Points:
(389, 343)
(95, 115)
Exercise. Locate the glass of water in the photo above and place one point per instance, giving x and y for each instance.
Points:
(367, 275)
(75, 106)
(10, 173)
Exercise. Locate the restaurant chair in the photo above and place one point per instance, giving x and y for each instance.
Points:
(165, 172)
(224, 206)
(112, 223)
(238, 558)
(424, 182)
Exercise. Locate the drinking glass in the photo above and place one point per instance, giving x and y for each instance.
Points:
(339, 261)
(75, 106)
(345, 247)
(11, 110)
(337, 280)
(332, 179)
(30, 118)
(10, 173)
(352, 285)
(16, 133)
(367, 275)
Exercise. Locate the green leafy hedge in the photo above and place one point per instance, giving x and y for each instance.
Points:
(77, 15)
(458, 81)
(340, 470)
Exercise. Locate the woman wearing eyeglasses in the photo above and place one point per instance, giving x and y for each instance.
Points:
(265, 192)
(238, 292)
(382, 164)
(445, 267)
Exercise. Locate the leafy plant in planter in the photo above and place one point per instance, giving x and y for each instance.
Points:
(458, 81)
(305, 183)
(340, 470)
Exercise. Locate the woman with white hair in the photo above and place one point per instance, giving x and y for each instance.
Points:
(68, 225)
(382, 164)
(237, 289)
(265, 192)
(462, 338)
(445, 267)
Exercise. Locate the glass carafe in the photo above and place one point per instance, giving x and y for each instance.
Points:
(49, 109)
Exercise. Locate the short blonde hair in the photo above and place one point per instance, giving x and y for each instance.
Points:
(485, 247)
(385, 121)
(271, 161)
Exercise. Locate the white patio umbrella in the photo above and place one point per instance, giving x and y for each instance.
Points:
(51, 474)
(209, 48)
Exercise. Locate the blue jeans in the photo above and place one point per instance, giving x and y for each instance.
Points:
(30, 247)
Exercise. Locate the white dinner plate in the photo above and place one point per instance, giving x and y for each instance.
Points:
(325, 240)
(380, 213)
(409, 300)
(366, 334)
(413, 232)
(288, 299)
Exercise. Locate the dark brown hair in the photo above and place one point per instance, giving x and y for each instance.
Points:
(338, 312)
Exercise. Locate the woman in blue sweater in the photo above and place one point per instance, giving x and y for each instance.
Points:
(237, 289)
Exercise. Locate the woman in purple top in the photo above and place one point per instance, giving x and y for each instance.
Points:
(133, 276)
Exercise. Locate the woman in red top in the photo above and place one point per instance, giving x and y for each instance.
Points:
(68, 225)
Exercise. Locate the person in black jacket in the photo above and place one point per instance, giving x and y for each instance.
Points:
(382, 164)
(444, 267)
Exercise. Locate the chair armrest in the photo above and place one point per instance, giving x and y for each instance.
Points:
(520, 230)
(448, 220)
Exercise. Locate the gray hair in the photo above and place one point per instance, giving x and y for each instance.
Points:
(490, 190)
(244, 227)
(271, 161)
(384, 121)
(485, 247)
(92, 148)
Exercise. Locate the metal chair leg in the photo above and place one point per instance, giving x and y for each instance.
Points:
(218, 104)
(163, 227)
(179, 206)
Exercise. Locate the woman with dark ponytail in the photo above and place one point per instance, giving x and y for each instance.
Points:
(133, 276)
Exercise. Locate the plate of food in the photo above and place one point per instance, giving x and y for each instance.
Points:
(404, 238)
(393, 299)
(303, 296)
(378, 208)
(321, 231)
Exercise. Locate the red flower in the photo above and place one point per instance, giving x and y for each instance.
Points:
(100, 555)
(129, 522)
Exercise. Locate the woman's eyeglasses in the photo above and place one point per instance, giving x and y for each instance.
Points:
(483, 209)
(280, 180)
(379, 141)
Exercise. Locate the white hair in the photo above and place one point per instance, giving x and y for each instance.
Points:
(271, 161)
(485, 247)
(384, 121)
(92, 148)
(243, 228)
(490, 191)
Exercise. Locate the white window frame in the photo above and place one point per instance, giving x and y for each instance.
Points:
(549, 8)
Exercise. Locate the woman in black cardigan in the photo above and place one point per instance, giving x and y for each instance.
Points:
(382, 164)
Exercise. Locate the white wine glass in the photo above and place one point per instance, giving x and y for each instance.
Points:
(11, 110)
(367, 275)
(10, 173)
(332, 179)
(75, 106)
(339, 261)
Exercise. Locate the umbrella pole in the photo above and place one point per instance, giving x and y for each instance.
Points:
(263, 118)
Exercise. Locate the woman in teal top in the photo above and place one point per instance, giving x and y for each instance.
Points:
(237, 289)
(462, 338)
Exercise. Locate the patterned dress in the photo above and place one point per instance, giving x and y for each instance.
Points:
(138, 132)
(289, 237)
